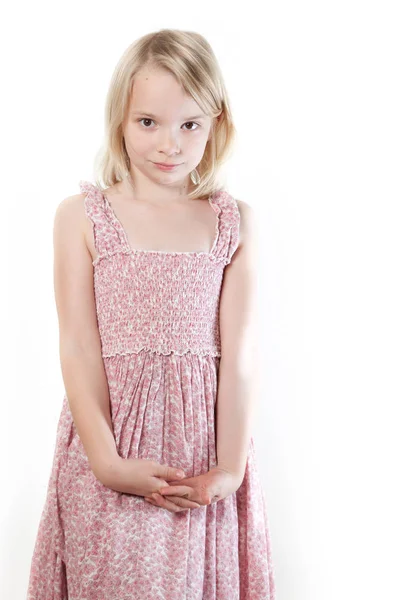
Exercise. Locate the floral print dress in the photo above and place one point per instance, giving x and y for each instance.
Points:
(158, 320)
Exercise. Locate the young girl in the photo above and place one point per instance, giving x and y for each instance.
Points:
(154, 281)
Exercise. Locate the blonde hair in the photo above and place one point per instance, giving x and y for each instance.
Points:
(190, 58)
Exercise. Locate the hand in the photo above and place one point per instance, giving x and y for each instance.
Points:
(139, 476)
(216, 484)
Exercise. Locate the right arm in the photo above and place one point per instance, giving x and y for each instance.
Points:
(82, 364)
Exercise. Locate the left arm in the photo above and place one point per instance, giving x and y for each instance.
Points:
(237, 379)
(238, 371)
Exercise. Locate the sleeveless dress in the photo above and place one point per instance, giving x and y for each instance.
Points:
(158, 320)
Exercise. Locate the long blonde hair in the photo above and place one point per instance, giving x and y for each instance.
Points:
(190, 58)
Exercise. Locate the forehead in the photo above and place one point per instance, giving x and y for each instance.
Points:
(159, 93)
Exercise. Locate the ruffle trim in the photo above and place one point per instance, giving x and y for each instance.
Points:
(111, 238)
(161, 254)
(165, 352)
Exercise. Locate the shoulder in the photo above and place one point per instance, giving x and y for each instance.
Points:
(71, 208)
(248, 223)
(70, 217)
(245, 209)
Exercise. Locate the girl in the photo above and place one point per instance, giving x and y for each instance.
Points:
(154, 282)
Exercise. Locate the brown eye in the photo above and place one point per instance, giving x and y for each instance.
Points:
(145, 119)
(192, 123)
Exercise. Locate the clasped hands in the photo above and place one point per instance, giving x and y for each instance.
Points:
(193, 492)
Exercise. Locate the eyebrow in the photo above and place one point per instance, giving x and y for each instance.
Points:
(139, 112)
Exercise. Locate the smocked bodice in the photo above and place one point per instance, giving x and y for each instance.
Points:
(165, 302)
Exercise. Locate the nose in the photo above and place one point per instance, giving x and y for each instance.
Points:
(168, 143)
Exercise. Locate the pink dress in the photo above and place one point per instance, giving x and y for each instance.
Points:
(158, 321)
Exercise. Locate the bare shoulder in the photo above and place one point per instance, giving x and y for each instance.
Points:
(70, 216)
(71, 207)
(248, 223)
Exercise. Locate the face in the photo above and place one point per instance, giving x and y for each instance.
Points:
(164, 125)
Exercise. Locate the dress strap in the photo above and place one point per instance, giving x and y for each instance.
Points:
(228, 216)
(107, 237)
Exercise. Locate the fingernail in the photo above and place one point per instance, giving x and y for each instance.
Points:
(180, 473)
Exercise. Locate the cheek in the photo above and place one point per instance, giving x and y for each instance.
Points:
(141, 145)
(198, 147)
(202, 140)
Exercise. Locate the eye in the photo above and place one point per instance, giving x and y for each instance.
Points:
(193, 123)
(144, 119)
(188, 122)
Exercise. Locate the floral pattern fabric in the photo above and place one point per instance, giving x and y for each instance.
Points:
(157, 314)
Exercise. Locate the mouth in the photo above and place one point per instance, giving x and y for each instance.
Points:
(167, 166)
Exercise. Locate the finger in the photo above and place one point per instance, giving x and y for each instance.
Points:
(183, 502)
(178, 500)
(168, 473)
(154, 503)
(176, 490)
(164, 503)
(158, 481)
(183, 492)
(179, 482)
(150, 501)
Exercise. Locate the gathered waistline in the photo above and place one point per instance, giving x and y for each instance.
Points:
(164, 351)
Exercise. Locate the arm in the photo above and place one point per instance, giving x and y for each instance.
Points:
(238, 371)
(80, 349)
(237, 376)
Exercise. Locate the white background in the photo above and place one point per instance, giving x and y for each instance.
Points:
(314, 88)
